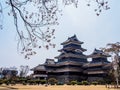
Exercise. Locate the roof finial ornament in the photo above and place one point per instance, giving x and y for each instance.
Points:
(95, 49)
(74, 35)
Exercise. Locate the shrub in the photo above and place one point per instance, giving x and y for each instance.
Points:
(1, 82)
(95, 83)
(43, 81)
(37, 81)
(12, 82)
(24, 83)
(52, 81)
(6, 81)
(22, 80)
(31, 82)
(73, 82)
(85, 83)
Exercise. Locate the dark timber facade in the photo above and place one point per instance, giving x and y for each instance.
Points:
(72, 64)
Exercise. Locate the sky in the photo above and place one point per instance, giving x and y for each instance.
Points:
(94, 31)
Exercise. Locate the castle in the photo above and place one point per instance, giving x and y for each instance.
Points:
(72, 64)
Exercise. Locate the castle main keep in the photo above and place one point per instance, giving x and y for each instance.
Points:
(72, 64)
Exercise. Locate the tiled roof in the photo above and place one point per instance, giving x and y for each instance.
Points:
(72, 39)
(98, 53)
(94, 64)
(40, 67)
(71, 55)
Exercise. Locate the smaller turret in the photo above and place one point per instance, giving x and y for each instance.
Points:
(99, 56)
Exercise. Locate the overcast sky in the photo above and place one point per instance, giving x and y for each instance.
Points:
(94, 31)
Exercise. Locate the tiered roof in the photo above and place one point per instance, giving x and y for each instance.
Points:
(72, 49)
(50, 61)
(99, 61)
(99, 56)
(69, 63)
(66, 55)
(98, 53)
(72, 39)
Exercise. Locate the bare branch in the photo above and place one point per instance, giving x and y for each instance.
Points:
(36, 17)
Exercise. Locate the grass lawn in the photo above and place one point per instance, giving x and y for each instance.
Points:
(62, 87)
